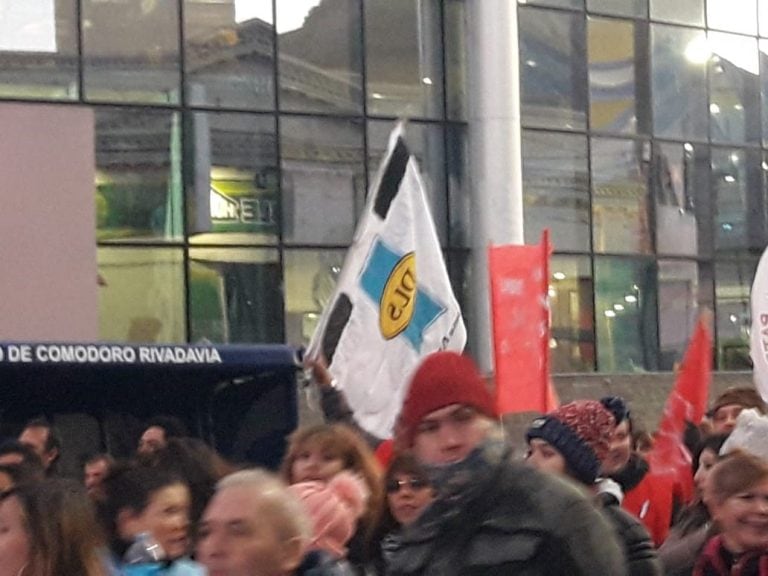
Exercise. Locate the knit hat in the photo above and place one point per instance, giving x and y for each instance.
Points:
(581, 432)
(442, 379)
(617, 406)
(741, 396)
(749, 435)
(334, 509)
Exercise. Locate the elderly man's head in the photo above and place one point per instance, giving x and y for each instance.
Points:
(253, 526)
(448, 411)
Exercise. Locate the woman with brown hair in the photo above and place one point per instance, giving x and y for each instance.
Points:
(48, 528)
(738, 500)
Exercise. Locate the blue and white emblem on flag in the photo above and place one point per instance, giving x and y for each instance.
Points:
(393, 303)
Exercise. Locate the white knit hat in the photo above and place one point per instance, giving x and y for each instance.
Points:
(749, 435)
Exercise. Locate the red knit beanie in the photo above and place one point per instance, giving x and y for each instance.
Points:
(442, 379)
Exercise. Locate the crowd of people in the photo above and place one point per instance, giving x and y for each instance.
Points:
(445, 497)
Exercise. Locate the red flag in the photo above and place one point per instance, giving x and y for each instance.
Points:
(519, 280)
(686, 404)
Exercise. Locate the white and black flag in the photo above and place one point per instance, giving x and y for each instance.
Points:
(393, 303)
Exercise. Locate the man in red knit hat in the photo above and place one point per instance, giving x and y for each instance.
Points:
(491, 515)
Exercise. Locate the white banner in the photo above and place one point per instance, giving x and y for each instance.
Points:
(758, 349)
(393, 303)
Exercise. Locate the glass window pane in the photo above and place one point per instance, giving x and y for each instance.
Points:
(737, 180)
(459, 194)
(734, 104)
(320, 52)
(235, 295)
(310, 278)
(232, 192)
(733, 283)
(573, 4)
(229, 63)
(404, 58)
(616, 105)
(38, 50)
(131, 51)
(323, 172)
(553, 73)
(679, 12)
(139, 193)
(678, 309)
(679, 82)
(572, 343)
(556, 189)
(626, 313)
(763, 54)
(733, 15)
(455, 59)
(680, 188)
(425, 142)
(631, 8)
(620, 196)
(762, 16)
(141, 297)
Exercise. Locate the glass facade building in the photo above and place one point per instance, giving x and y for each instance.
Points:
(235, 141)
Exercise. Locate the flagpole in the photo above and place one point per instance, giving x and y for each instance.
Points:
(494, 149)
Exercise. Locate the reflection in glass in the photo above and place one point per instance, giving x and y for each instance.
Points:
(678, 309)
(404, 58)
(310, 278)
(138, 175)
(614, 98)
(732, 287)
(762, 16)
(320, 51)
(733, 16)
(626, 314)
(679, 82)
(680, 187)
(131, 51)
(572, 341)
(552, 69)
(229, 58)
(459, 200)
(425, 142)
(619, 196)
(235, 296)
(736, 176)
(679, 12)
(323, 172)
(139, 299)
(38, 49)
(631, 8)
(455, 59)
(232, 188)
(734, 89)
(556, 189)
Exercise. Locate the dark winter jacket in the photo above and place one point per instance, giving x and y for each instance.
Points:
(320, 563)
(509, 520)
(642, 558)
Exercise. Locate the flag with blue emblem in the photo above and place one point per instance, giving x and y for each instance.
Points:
(393, 303)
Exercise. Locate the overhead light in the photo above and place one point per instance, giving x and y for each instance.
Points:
(531, 63)
(688, 147)
(727, 226)
(764, 165)
(377, 96)
(735, 158)
(714, 108)
(733, 318)
(427, 81)
(729, 178)
(610, 314)
(618, 307)
(559, 276)
(738, 107)
(552, 292)
(631, 298)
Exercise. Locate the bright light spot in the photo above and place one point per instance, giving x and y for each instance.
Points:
(552, 292)
(610, 314)
(531, 63)
(631, 298)
(559, 276)
(764, 165)
(618, 307)
(688, 147)
(729, 178)
(28, 26)
(733, 318)
(727, 226)
(552, 343)
(377, 96)
(290, 15)
(698, 51)
(635, 287)
(714, 108)
(738, 107)
(335, 269)
(427, 81)
(735, 158)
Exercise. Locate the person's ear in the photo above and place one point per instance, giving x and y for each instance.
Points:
(291, 554)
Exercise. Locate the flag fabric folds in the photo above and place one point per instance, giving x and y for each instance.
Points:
(393, 302)
(758, 349)
(519, 281)
(686, 404)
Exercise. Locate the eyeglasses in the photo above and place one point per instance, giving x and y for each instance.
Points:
(394, 485)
